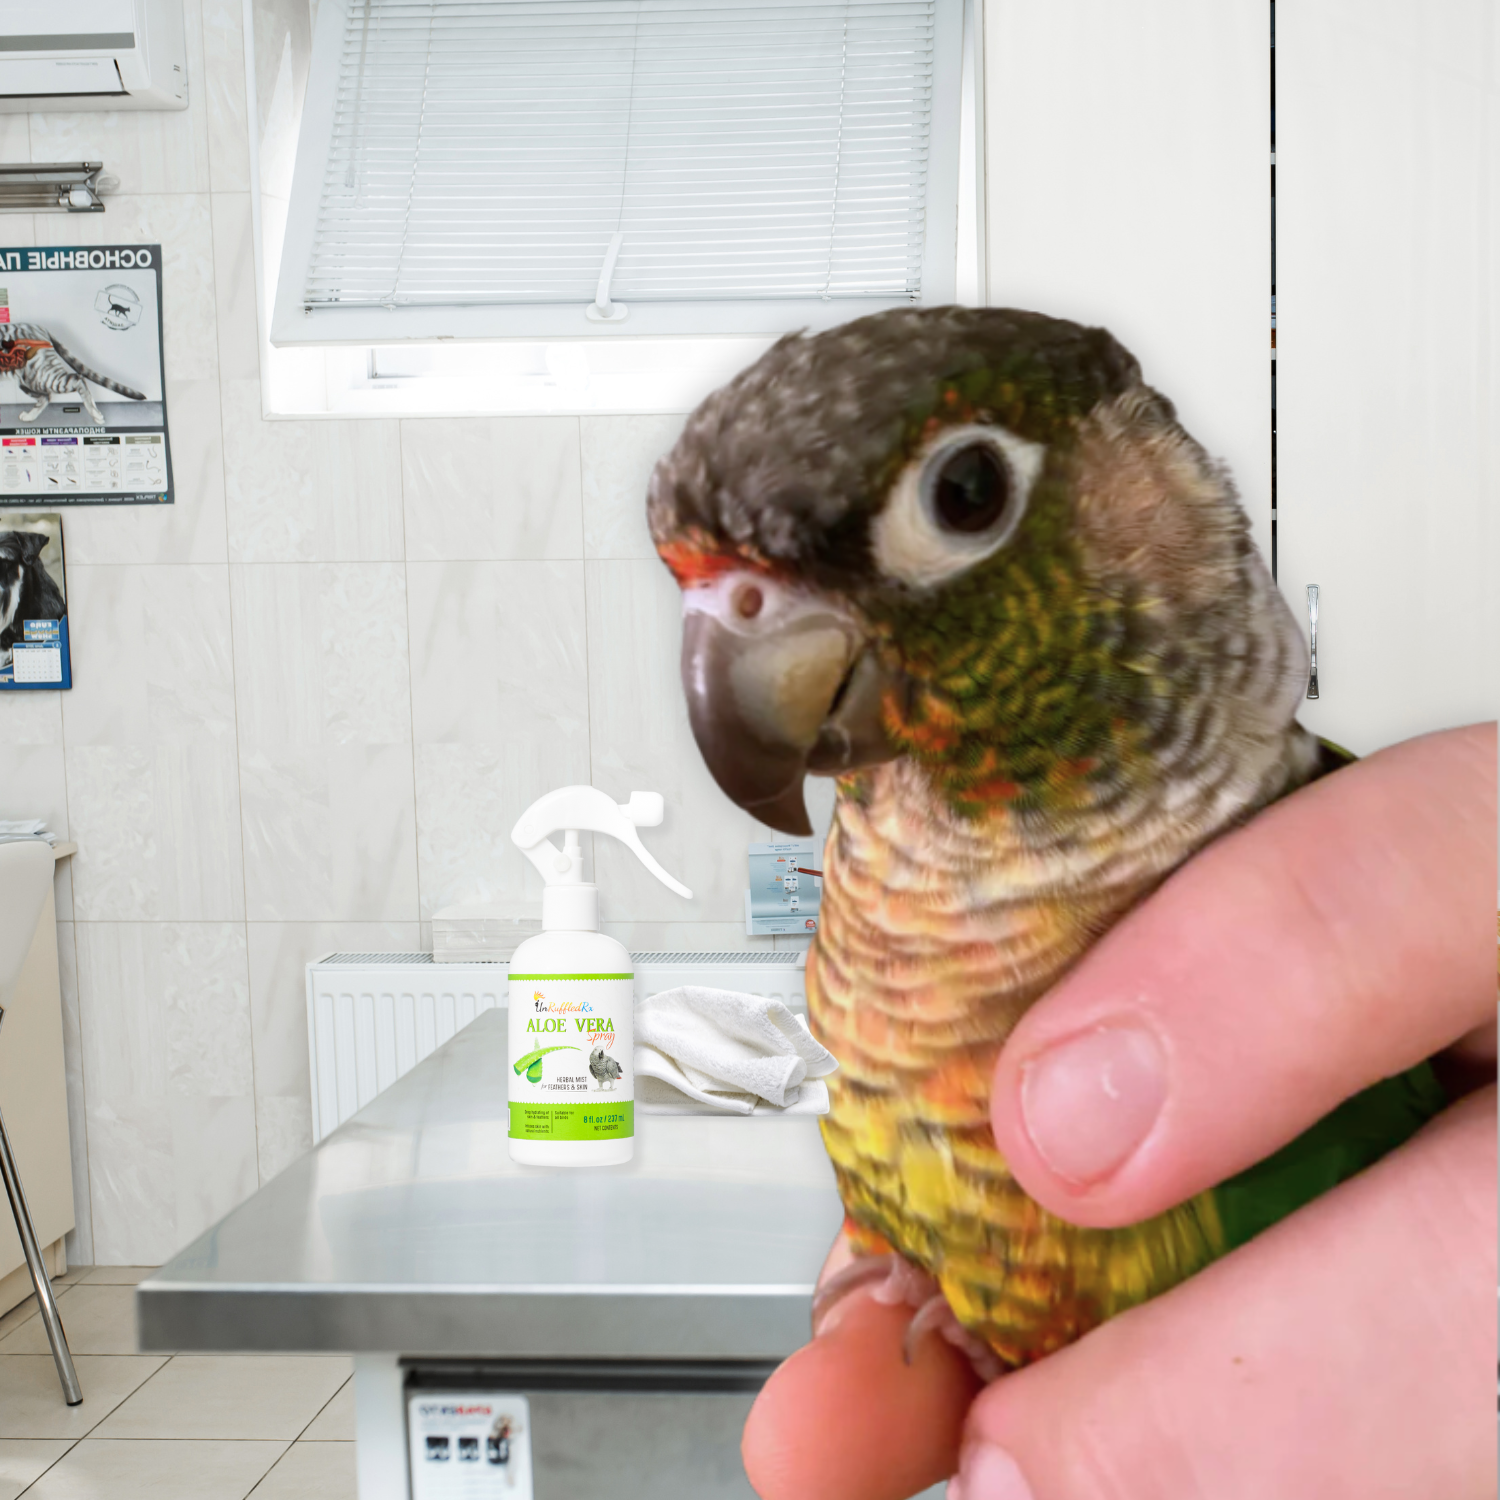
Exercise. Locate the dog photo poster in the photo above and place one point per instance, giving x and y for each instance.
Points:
(83, 410)
(33, 603)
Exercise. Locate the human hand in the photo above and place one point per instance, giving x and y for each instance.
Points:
(1349, 1350)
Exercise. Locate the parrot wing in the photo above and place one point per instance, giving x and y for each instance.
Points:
(1356, 1135)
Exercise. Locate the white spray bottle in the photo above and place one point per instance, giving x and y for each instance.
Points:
(572, 991)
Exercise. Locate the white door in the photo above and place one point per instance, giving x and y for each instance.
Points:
(1128, 183)
(1388, 314)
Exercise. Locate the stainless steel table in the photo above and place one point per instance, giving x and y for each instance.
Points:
(410, 1238)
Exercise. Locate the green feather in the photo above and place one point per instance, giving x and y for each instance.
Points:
(1356, 1135)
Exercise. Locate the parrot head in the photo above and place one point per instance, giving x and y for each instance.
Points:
(970, 537)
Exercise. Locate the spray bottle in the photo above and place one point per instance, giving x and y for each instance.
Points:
(572, 991)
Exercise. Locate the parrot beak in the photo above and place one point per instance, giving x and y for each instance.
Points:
(779, 682)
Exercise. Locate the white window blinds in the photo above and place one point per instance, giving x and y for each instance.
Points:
(626, 156)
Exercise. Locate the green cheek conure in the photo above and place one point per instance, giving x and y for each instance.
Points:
(968, 562)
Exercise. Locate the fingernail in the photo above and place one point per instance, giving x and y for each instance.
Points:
(1090, 1101)
(986, 1472)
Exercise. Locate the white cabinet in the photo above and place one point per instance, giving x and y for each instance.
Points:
(1388, 326)
(33, 1095)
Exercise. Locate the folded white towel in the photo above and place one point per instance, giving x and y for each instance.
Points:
(728, 1050)
(655, 1095)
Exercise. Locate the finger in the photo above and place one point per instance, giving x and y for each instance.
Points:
(1347, 1351)
(847, 1419)
(1337, 939)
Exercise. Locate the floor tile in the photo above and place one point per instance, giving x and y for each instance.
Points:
(31, 1400)
(24, 1311)
(118, 1275)
(23, 1459)
(72, 1274)
(335, 1423)
(97, 1469)
(312, 1471)
(230, 1396)
(96, 1319)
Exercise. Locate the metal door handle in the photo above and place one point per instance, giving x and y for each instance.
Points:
(1312, 616)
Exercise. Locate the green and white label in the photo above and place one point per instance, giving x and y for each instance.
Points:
(570, 1056)
(572, 1122)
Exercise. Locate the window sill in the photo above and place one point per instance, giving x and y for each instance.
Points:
(580, 378)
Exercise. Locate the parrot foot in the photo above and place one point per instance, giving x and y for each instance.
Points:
(895, 1282)
(936, 1316)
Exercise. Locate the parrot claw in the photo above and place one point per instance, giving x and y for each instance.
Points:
(936, 1316)
(896, 1282)
(861, 1271)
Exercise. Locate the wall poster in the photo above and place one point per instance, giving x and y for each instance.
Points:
(785, 890)
(83, 410)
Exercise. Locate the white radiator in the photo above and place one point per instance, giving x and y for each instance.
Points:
(373, 1016)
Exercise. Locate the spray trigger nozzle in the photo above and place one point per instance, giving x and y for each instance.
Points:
(572, 809)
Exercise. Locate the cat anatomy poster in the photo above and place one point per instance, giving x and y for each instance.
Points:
(33, 603)
(83, 410)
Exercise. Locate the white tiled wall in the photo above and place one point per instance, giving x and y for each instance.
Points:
(373, 643)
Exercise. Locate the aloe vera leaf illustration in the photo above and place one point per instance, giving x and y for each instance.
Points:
(525, 1064)
(534, 1072)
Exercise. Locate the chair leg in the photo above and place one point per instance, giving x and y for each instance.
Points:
(45, 1301)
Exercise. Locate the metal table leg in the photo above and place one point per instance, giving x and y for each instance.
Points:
(45, 1301)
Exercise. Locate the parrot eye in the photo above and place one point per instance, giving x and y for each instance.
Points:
(971, 489)
(957, 503)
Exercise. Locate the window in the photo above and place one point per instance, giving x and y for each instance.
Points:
(606, 170)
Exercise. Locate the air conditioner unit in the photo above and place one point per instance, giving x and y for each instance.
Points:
(92, 54)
